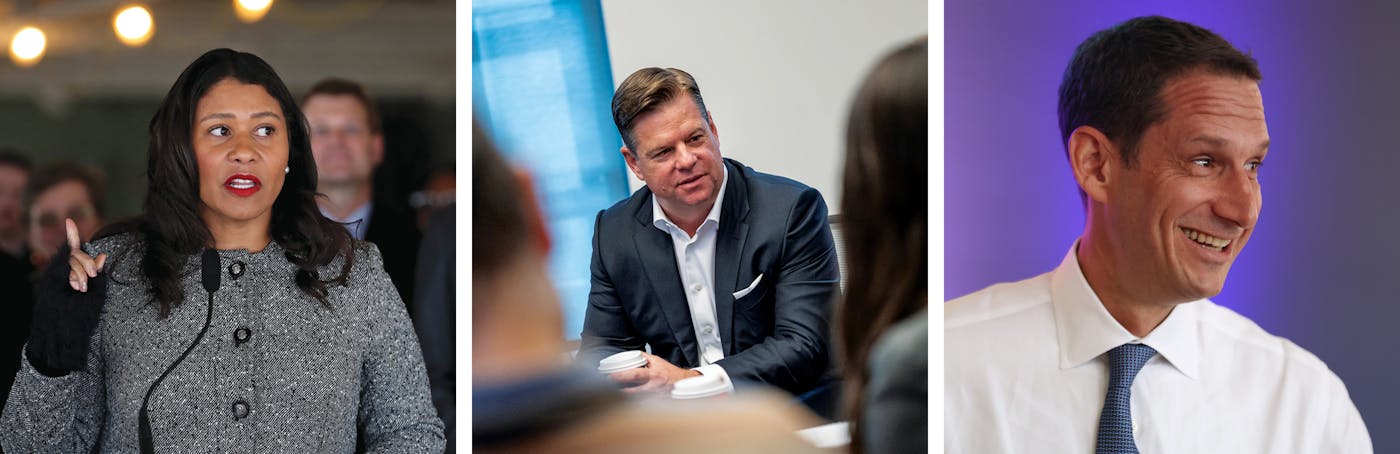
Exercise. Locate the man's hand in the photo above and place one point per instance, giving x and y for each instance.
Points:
(656, 377)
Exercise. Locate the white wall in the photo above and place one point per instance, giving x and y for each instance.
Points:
(777, 75)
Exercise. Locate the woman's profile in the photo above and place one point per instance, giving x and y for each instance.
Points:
(231, 316)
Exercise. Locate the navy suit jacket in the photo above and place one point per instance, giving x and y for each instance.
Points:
(777, 334)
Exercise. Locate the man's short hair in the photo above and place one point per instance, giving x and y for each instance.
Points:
(12, 158)
(333, 86)
(62, 172)
(498, 218)
(647, 89)
(1114, 81)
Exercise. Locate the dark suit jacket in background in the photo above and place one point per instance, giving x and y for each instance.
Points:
(434, 314)
(16, 310)
(776, 335)
(394, 228)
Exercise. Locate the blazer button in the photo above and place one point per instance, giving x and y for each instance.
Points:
(240, 409)
(241, 335)
(236, 269)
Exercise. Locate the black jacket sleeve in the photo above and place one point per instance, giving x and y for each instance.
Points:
(64, 319)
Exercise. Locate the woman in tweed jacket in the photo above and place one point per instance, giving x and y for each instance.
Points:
(300, 342)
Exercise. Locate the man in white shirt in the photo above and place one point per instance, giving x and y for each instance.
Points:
(1118, 348)
(718, 269)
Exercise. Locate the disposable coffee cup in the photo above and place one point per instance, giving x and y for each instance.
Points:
(701, 387)
(622, 361)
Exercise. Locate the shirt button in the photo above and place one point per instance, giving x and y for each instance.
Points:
(1135, 427)
(711, 355)
(241, 335)
(240, 409)
(709, 329)
(697, 287)
(236, 269)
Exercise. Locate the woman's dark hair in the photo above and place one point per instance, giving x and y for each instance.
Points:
(170, 225)
(884, 214)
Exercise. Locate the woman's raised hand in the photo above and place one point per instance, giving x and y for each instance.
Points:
(82, 266)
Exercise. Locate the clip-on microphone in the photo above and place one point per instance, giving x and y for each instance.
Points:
(209, 276)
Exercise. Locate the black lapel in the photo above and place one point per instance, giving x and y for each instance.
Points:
(659, 260)
(733, 230)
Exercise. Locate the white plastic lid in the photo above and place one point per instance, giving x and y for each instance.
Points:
(699, 387)
(622, 361)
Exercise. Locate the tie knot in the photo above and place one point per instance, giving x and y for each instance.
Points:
(1124, 362)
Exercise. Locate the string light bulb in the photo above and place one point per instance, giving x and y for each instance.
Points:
(250, 11)
(27, 47)
(134, 25)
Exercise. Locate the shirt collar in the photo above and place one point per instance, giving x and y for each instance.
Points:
(660, 221)
(357, 222)
(1086, 330)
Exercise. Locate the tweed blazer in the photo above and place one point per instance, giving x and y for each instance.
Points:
(276, 372)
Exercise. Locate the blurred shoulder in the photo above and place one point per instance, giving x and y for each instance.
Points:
(904, 343)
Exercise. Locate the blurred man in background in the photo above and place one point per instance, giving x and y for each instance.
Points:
(14, 176)
(347, 141)
(59, 191)
(17, 304)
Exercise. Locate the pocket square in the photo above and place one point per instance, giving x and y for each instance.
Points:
(746, 291)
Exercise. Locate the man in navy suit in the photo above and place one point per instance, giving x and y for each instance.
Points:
(720, 269)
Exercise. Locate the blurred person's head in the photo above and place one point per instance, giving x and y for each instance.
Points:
(59, 191)
(346, 133)
(230, 157)
(670, 141)
(1163, 124)
(14, 177)
(884, 211)
(516, 318)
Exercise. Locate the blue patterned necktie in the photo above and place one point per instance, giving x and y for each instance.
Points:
(1116, 421)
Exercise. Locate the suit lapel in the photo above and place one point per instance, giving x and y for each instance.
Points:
(659, 260)
(729, 247)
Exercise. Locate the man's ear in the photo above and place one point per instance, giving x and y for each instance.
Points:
(1092, 157)
(631, 159)
(714, 130)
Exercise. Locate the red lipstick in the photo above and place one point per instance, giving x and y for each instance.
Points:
(242, 184)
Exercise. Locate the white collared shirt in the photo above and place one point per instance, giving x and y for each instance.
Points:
(357, 223)
(695, 259)
(1026, 372)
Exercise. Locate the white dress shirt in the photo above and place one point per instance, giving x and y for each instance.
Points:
(695, 259)
(1026, 372)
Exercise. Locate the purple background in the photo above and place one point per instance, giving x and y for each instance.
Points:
(1321, 267)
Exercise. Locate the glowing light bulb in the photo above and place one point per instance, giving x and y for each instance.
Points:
(27, 47)
(134, 25)
(250, 11)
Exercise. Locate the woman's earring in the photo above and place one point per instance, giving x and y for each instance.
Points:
(287, 170)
